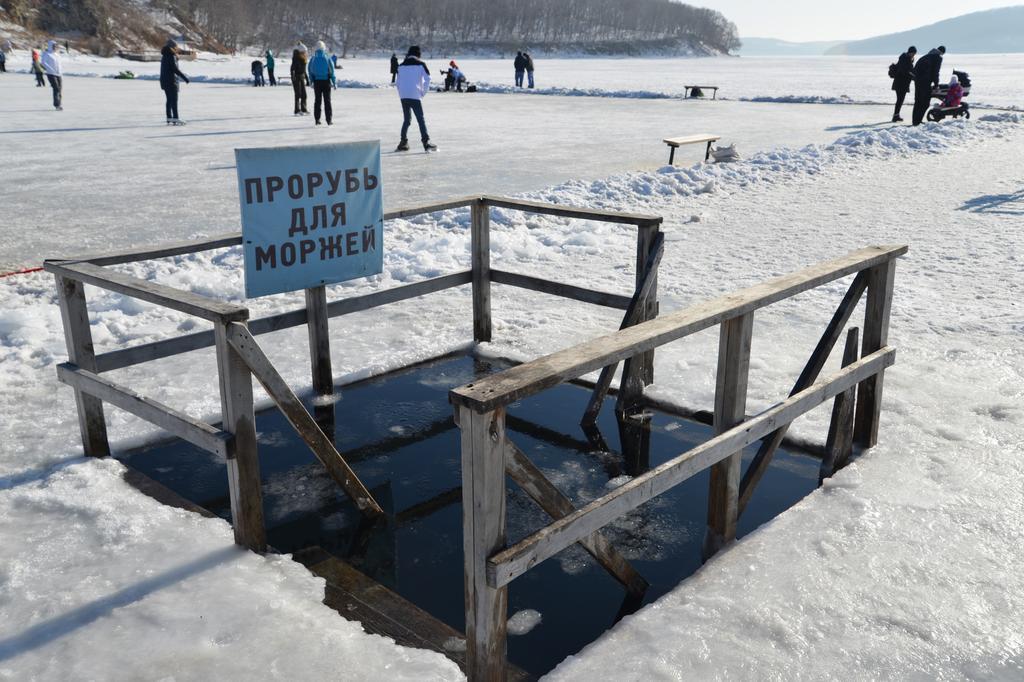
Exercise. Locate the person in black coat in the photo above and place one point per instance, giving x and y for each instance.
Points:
(169, 75)
(926, 75)
(520, 66)
(904, 77)
(394, 67)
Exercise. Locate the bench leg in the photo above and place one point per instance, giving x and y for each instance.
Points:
(671, 154)
(707, 154)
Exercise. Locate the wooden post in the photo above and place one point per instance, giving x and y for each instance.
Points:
(483, 534)
(244, 464)
(876, 335)
(78, 337)
(730, 410)
(839, 442)
(319, 340)
(645, 242)
(480, 245)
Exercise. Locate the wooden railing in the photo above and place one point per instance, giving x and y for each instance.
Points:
(240, 357)
(488, 455)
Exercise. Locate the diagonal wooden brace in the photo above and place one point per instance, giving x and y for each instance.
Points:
(839, 444)
(307, 428)
(533, 482)
(636, 306)
(759, 465)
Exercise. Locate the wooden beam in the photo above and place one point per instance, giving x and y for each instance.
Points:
(319, 340)
(165, 250)
(839, 443)
(197, 432)
(571, 211)
(77, 335)
(532, 377)
(649, 242)
(637, 307)
(549, 498)
(544, 286)
(243, 464)
(876, 334)
(480, 249)
(183, 301)
(730, 410)
(410, 211)
(291, 407)
(483, 534)
(759, 465)
(293, 318)
(506, 565)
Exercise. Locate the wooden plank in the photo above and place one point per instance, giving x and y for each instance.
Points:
(531, 377)
(839, 443)
(544, 286)
(505, 566)
(78, 336)
(184, 301)
(650, 245)
(571, 211)
(730, 410)
(549, 498)
(876, 334)
(759, 465)
(410, 211)
(319, 340)
(243, 463)
(690, 139)
(480, 250)
(293, 318)
(483, 534)
(637, 307)
(307, 428)
(165, 250)
(197, 432)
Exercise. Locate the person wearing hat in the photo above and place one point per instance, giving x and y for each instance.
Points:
(454, 78)
(926, 76)
(270, 67)
(394, 67)
(413, 83)
(904, 77)
(50, 61)
(169, 75)
(528, 63)
(321, 75)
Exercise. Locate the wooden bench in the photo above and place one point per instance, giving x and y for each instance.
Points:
(701, 88)
(676, 142)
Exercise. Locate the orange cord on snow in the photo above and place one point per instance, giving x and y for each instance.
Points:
(19, 272)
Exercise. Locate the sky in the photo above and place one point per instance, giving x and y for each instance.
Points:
(809, 20)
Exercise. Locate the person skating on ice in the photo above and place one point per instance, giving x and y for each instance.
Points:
(50, 61)
(299, 81)
(413, 83)
(321, 75)
(169, 75)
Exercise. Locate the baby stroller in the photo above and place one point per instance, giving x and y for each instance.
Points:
(939, 111)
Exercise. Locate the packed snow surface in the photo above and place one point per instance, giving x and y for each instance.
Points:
(907, 564)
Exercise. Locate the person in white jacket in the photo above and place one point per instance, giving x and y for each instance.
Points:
(413, 82)
(50, 61)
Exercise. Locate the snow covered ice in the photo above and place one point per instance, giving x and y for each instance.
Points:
(909, 563)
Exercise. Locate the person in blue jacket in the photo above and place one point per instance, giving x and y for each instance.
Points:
(321, 75)
(270, 67)
(169, 75)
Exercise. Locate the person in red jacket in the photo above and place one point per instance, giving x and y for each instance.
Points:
(954, 94)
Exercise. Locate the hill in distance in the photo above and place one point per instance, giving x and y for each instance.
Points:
(990, 31)
(773, 47)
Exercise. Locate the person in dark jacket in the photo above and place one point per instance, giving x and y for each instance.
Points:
(299, 81)
(270, 67)
(321, 73)
(904, 77)
(528, 63)
(3, 62)
(169, 75)
(257, 74)
(394, 67)
(520, 66)
(926, 75)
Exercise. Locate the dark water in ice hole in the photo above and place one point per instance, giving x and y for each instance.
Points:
(397, 433)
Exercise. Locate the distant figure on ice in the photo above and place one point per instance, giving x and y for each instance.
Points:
(321, 74)
(270, 67)
(37, 69)
(169, 75)
(50, 62)
(454, 78)
(902, 80)
(394, 67)
(413, 83)
(3, 62)
(520, 66)
(528, 60)
(299, 81)
(926, 75)
(257, 74)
